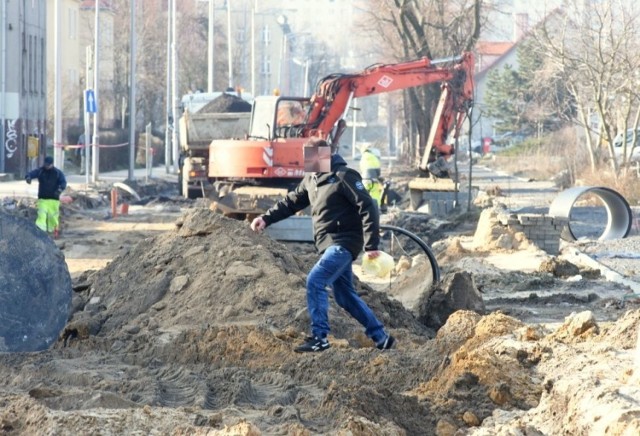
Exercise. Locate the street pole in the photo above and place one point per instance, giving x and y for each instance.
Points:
(353, 140)
(167, 131)
(306, 77)
(229, 44)
(87, 120)
(148, 159)
(253, 48)
(210, 84)
(96, 135)
(132, 92)
(3, 87)
(281, 71)
(58, 151)
(174, 89)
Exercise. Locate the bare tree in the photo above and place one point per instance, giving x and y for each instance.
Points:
(411, 29)
(150, 62)
(594, 48)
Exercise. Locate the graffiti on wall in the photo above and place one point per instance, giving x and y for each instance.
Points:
(11, 139)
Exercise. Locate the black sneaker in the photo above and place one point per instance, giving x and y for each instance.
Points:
(312, 344)
(388, 343)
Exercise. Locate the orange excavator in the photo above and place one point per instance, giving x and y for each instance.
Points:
(247, 174)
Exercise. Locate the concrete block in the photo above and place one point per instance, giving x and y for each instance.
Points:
(295, 228)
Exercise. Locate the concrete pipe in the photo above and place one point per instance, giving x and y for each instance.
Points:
(619, 214)
(35, 287)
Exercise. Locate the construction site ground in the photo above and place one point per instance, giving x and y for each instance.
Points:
(184, 323)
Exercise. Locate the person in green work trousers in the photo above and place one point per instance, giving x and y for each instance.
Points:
(370, 172)
(51, 183)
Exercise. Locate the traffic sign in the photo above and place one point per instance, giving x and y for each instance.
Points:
(90, 103)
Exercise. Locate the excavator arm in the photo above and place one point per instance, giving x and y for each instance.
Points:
(334, 93)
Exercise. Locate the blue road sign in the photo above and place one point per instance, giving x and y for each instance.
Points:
(90, 103)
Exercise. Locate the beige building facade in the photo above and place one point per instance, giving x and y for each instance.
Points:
(76, 34)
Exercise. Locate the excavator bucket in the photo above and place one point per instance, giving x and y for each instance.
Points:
(35, 287)
(246, 200)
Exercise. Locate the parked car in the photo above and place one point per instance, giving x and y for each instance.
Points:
(633, 153)
(617, 141)
(508, 139)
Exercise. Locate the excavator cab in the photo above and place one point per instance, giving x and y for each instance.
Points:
(250, 175)
(275, 117)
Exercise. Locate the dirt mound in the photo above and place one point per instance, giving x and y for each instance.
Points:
(491, 234)
(191, 332)
(213, 270)
(559, 267)
(589, 386)
(226, 103)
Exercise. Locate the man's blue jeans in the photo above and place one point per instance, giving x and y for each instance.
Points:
(333, 270)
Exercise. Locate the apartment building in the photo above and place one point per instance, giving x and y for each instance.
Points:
(23, 84)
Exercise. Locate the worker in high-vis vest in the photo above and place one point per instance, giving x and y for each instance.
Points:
(51, 183)
(371, 174)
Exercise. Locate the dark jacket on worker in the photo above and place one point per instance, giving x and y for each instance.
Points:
(51, 182)
(342, 211)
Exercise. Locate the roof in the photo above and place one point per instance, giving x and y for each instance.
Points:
(491, 48)
(502, 49)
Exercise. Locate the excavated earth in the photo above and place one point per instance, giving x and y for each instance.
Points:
(188, 329)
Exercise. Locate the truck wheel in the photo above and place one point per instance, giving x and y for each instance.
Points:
(191, 191)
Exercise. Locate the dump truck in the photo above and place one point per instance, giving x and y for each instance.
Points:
(207, 117)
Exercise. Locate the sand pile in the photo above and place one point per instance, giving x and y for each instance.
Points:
(226, 103)
(191, 332)
(211, 271)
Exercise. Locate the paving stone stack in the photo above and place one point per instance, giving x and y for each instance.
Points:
(543, 230)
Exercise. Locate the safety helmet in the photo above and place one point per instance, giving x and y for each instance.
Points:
(375, 152)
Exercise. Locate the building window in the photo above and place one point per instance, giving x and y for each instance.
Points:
(31, 64)
(240, 34)
(25, 73)
(266, 36)
(266, 66)
(73, 23)
(73, 77)
(43, 63)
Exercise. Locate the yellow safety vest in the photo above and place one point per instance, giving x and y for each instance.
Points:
(369, 165)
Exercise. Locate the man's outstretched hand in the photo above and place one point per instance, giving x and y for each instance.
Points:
(258, 224)
(372, 254)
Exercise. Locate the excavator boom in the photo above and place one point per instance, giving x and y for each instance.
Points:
(334, 92)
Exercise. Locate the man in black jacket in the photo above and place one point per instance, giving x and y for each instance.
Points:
(345, 219)
(51, 183)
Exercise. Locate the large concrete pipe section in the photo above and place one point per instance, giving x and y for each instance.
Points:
(619, 214)
(35, 287)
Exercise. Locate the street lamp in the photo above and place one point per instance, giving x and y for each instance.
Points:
(305, 65)
(283, 22)
(229, 44)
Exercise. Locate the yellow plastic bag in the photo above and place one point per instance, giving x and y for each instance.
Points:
(380, 266)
